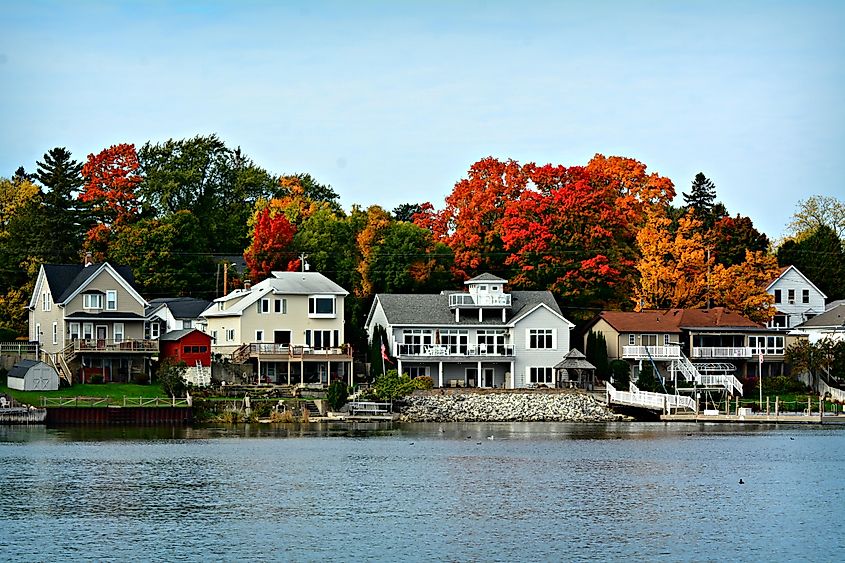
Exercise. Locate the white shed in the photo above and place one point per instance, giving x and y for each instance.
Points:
(29, 375)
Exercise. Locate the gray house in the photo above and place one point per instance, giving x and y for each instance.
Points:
(481, 337)
(30, 375)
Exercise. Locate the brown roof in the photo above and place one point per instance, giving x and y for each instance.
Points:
(673, 320)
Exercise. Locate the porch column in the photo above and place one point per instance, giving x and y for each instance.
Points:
(328, 371)
(513, 378)
(288, 366)
(478, 375)
(398, 366)
(440, 373)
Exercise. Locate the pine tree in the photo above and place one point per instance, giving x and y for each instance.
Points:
(64, 222)
(702, 198)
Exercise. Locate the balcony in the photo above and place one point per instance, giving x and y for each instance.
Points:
(284, 352)
(721, 352)
(417, 351)
(470, 300)
(670, 352)
(94, 345)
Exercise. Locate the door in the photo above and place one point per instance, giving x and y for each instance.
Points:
(281, 338)
(488, 377)
(102, 334)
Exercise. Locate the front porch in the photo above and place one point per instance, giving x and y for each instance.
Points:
(462, 374)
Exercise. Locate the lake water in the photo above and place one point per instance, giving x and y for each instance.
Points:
(423, 492)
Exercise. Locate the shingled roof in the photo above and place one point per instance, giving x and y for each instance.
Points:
(676, 320)
(433, 309)
(64, 279)
(181, 307)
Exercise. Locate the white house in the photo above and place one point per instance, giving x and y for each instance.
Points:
(830, 324)
(289, 327)
(797, 299)
(481, 337)
(167, 314)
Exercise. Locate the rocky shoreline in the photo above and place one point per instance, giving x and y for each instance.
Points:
(573, 406)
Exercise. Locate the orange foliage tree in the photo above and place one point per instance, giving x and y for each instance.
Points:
(272, 235)
(111, 177)
(742, 287)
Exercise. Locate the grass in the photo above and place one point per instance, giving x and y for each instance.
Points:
(116, 391)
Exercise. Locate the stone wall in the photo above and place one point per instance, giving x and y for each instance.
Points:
(511, 406)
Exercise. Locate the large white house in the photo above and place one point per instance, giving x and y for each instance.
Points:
(797, 299)
(289, 326)
(481, 337)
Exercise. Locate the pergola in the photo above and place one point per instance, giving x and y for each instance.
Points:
(575, 371)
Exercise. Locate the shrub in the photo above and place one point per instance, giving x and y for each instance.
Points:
(306, 415)
(281, 416)
(96, 378)
(621, 372)
(171, 377)
(423, 382)
(141, 378)
(337, 395)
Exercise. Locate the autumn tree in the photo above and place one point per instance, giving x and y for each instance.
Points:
(328, 239)
(272, 235)
(307, 187)
(673, 267)
(111, 179)
(742, 286)
(731, 237)
(369, 239)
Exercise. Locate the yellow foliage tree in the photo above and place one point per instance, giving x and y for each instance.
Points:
(742, 287)
(372, 235)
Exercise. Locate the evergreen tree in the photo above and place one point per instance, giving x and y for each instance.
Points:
(374, 356)
(702, 198)
(64, 222)
(820, 257)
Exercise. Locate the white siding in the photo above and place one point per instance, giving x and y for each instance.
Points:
(798, 311)
(525, 358)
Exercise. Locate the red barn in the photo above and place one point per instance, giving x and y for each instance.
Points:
(188, 345)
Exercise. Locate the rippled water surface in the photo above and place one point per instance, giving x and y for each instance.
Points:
(535, 492)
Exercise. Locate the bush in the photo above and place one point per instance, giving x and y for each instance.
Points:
(783, 384)
(141, 378)
(646, 380)
(423, 382)
(171, 377)
(96, 378)
(337, 395)
(621, 372)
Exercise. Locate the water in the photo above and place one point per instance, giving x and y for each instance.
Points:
(535, 492)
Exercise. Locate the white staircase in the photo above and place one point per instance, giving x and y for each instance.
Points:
(687, 370)
(198, 375)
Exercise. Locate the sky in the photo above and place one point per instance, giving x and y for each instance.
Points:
(391, 102)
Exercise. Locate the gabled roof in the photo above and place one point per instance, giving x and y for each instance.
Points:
(176, 335)
(833, 317)
(485, 278)
(433, 309)
(675, 320)
(67, 280)
(180, 307)
(786, 269)
(574, 359)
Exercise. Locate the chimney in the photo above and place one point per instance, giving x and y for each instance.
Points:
(247, 284)
(89, 259)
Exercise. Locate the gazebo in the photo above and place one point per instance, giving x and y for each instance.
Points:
(575, 371)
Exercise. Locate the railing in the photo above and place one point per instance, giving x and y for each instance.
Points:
(649, 400)
(470, 300)
(689, 372)
(19, 348)
(721, 352)
(257, 349)
(670, 352)
(369, 408)
(100, 345)
(111, 402)
(442, 350)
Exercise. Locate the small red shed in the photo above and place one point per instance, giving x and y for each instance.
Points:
(188, 345)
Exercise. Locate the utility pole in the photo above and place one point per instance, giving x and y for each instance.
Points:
(302, 260)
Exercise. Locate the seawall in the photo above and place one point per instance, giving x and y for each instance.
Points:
(504, 406)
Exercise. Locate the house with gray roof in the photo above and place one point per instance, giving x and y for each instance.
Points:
(830, 324)
(483, 336)
(88, 319)
(167, 314)
(289, 327)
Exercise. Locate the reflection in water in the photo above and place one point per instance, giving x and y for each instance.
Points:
(536, 491)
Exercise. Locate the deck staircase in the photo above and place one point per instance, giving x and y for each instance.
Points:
(241, 354)
(689, 372)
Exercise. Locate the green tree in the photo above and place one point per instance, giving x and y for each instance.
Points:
(406, 211)
(328, 239)
(379, 339)
(171, 377)
(702, 198)
(337, 395)
(64, 220)
(621, 373)
(820, 257)
(818, 211)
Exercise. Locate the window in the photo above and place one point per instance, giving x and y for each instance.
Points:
(541, 375)
(791, 296)
(282, 306)
(780, 321)
(214, 336)
(417, 371)
(73, 331)
(195, 349)
(490, 341)
(55, 333)
(494, 288)
(319, 339)
(259, 336)
(92, 300)
(321, 306)
(230, 335)
(154, 330)
(187, 324)
(264, 306)
(111, 300)
(541, 338)
(414, 340)
(38, 332)
(118, 332)
(648, 340)
(203, 349)
(45, 301)
(805, 296)
(767, 345)
(777, 296)
(186, 349)
(632, 339)
(87, 331)
(455, 341)
(666, 340)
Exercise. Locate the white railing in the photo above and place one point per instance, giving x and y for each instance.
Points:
(669, 352)
(835, 394)
(369, 408)
(649, 400)
(470, 300)
(721, 352)
(442, 350)
(689, 372)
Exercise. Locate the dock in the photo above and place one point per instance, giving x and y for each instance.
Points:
(757, 418)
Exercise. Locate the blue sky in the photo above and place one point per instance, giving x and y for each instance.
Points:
(391, 102)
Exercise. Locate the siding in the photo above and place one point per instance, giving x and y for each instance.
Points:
(525, 358)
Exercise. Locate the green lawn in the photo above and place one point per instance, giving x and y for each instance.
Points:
(116, 391)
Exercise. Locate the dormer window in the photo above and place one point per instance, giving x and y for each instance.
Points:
(92, 300)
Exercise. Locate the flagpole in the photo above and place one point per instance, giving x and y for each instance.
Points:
(760, 381)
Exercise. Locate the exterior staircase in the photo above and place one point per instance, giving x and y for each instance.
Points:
(688, 372)
(647, 400)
